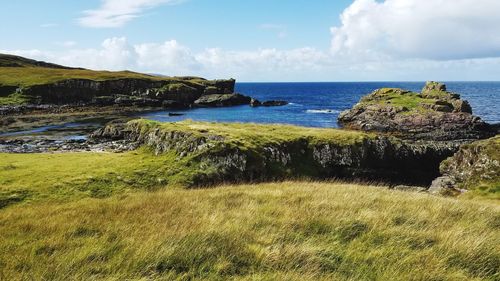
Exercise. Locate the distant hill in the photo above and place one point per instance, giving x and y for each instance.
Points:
(16, 61)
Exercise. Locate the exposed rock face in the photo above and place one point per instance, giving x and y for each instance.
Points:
(220, 100)
(125, 91)
(256, 103)
(475, 166)
(274, 103)
(434, 114)
(370, 158)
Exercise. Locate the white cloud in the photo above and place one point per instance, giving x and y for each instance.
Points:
(168, 57)
(116, 13)
(300, 64)
(425, 29)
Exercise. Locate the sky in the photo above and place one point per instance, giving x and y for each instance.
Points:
(263, 40)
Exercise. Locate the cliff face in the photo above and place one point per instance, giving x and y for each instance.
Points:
(219, 156)
(474, 167)
(29, 82)
(107, 92)
(433, 114)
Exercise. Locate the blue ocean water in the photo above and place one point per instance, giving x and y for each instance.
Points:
(318, 104)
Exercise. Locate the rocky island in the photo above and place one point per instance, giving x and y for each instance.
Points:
(434, 117)
(433, 114)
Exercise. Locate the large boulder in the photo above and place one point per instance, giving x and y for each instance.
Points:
(433, 114)
(475, 166)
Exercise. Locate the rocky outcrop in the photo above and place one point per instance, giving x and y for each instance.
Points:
(223, 157)
(475, 166)
(220, 100)
(433, 114)
(125, 91)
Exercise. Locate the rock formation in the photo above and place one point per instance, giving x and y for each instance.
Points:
(227, 156)
(220, 100)
(475, 166)
(433, 114)
(130, 91)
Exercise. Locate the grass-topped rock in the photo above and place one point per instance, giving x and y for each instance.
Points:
(24, 82)
(475, 167)
(218, 152)
(434, 114)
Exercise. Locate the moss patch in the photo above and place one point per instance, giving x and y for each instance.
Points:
(407, 101)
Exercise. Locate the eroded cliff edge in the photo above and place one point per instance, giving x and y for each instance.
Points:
(218, 153)
(25, 82)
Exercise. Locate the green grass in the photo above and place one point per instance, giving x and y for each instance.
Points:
(277, 231)
(29, 76)
(255, 135)
(412, 102)
(15, 99)
(66, 176)
(125, 216)
(69, 176)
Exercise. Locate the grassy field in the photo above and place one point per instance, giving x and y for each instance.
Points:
(275, 231)
(29, 76)
(69, 176)
(126, 216)
(254, 135)
(66, 176)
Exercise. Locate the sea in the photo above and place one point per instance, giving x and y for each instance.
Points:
(310, 105)
(319, 104)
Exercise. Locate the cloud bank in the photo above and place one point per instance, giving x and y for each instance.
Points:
(423, 29)
(376, 40)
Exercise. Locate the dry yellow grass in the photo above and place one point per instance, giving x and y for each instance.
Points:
(276, 231)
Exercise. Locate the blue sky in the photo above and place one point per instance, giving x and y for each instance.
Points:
(263, 40)
(230, 24)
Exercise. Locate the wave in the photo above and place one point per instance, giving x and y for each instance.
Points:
(323, 111)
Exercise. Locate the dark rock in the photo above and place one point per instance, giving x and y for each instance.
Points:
(179, 92)
(220, 100)
(7, 90)
(274, 103)
(73, 91)
(175, 114)
(104, 100)
(211, 90)
(255, 102)
(173, 104)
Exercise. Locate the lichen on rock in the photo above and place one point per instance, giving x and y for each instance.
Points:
(475, 167)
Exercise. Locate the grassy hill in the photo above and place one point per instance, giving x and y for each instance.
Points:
(18, 72)
(276, 231)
